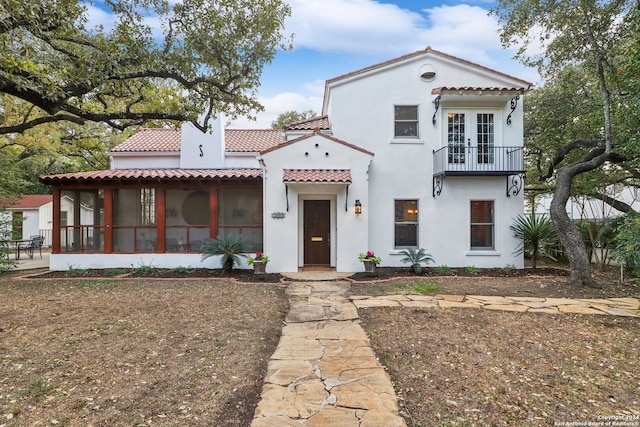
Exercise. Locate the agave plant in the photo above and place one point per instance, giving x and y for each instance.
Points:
(231, 247)
(537, 237)
(416, 258)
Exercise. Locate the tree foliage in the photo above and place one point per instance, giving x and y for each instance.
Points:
(595, 38)
(292, 116)
(155, 60)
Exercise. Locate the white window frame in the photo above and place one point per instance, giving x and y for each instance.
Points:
(416, 121)
(416, 223)
(476, 224)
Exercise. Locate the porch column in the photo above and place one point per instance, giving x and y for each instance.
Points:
(55, 229)
(108, 220)
(213, 211)
(161, 197)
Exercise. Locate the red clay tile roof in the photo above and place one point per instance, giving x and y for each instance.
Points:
(438, 90)
(28, 201)
(317, 175)
(251, 140)
(153, 175)
(319, 122)
(150, 139)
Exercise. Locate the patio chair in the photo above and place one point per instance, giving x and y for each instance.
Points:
(35, 242)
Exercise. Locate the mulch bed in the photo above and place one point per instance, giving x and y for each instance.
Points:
(166, 273)
(384, 273)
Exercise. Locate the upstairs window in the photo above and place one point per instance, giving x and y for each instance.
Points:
(406, 121)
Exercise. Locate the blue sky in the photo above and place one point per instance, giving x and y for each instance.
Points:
(334, 37)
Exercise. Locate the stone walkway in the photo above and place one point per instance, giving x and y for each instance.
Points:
(629, 307)
(324, 372)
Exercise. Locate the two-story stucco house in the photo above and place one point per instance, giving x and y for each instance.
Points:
(421, 151)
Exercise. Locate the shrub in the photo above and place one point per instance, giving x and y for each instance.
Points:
(231, 247)
(416, 258)
(473, 270)
(444, 270)
(628, 243)
(537, 237)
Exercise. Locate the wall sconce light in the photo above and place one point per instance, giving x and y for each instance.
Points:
(358, 207)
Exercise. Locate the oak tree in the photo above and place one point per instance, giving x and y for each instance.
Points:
(591, 34)
(149, 60)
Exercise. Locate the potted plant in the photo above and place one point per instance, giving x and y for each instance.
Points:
(259, 262)
(370, 261)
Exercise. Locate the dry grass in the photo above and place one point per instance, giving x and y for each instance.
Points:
(127, 353)
(109, 352)
(463, 367)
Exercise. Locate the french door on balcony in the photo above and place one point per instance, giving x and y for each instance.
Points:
(470, 137)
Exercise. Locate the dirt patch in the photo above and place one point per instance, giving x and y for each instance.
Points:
(113, 352)
(460, 367)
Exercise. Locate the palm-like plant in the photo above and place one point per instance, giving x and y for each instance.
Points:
(416, 258)
(231, 247)
(537, 237)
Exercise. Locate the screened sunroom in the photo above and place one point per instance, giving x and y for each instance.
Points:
(154, 211)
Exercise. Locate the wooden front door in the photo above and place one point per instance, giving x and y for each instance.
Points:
(317, 232)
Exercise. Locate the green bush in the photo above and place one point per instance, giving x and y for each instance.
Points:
(444, 270)
(628, 243)
(416, 258)
(537, 237)
(231, 247)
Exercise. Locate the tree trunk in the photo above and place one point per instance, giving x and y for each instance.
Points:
(568, 231)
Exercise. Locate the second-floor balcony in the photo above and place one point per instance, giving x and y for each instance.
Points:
(461, 160)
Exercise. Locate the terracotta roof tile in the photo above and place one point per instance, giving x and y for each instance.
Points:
(319, 122)
(317, 175)
(153, 175)
(28, 201)
(150, 139)
(251, 140)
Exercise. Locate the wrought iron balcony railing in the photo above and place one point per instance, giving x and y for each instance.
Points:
(458, 159)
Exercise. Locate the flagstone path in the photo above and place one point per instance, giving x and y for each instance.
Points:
(629, 307)
(324, 372)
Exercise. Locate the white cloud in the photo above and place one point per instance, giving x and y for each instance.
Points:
(464, 31)
(355, 26)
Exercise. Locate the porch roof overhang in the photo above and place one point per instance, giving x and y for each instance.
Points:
(149, 175)
(483, 94)
(320, 176)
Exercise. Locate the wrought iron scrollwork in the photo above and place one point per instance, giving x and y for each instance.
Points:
(513, 103)
(438, 183)
(437, 103)
(514, 184)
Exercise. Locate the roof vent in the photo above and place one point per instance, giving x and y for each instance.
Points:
(427, 72)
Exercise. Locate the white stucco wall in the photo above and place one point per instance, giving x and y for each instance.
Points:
(145, 161)
(362, 113)
(61, 262)
(349, 232)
